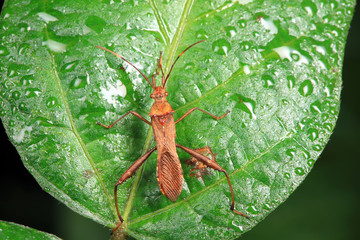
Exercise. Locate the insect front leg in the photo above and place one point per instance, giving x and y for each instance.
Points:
(132, 112)
(212, 164)
(195, 108)
(128, 173)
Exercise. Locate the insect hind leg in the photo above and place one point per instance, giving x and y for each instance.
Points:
(128, 173)
(199, 168)
(208, 162)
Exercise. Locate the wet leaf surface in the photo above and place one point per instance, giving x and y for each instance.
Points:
(275, 65)
(9, 231)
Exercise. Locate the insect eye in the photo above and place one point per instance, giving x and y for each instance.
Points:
(166, 93)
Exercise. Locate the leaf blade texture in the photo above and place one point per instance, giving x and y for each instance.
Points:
(275, 65)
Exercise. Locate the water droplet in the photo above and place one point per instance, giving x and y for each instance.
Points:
(111, 92)
(242, 23)
(299, 171)
(50, 102)
(246, 69)
(70, 66)
(16, 95)
(201, 34)
(221, 47)
(317, 147)
(313, 134)
(328, 126)
(256, 34)
(3, 51)
(309, 7)
(3, 92)
(19, 136)
(230, 31)
(291, 81)
(306, 154)
(241, 228)
(27, 80)
(290, 152)
(47, 17)
(23, 27)
(131, 36)
(12, 70)
(311, 162)
(245, 45)
(269, 81)
(252, 209)
(32, 92)
(23, 48)
(250, 106)
(208, 59)
(79, 82)
(306, 88)
(22, 107)
(55, 46)
(12, 123)
(315, 107)
(285, 102)
(269, 25)
(287, 175)
(267, 206)
(291, 54)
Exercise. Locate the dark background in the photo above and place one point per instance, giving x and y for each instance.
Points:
(325, 206)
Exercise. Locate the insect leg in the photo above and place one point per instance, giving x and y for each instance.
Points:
(195, 108)
(200, 168)
(212, 164)
(128, 173)
(132, 112)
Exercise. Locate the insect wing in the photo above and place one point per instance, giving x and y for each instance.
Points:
(169, 175)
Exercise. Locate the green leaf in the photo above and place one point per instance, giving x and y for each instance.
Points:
(10, 231)
(275, 65)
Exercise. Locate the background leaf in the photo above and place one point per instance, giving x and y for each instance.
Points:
(288, 82)
(10, 231)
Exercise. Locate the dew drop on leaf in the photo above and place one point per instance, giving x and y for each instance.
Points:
(313, 134)
(306, 88)
(311, 162)
(309, 7)
(317, 147)
(299, 171)
(290, 152)
(268, 81)
(16, 95)
(3, 51)
(50, 102)
(221, 47)
(230, 31)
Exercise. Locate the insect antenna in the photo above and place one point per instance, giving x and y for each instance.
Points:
(178, 58)
(128, 63)
(161, 68)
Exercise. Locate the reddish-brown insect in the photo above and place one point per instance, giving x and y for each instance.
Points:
(169, 171)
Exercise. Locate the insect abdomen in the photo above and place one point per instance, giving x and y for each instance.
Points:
(170, 175)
